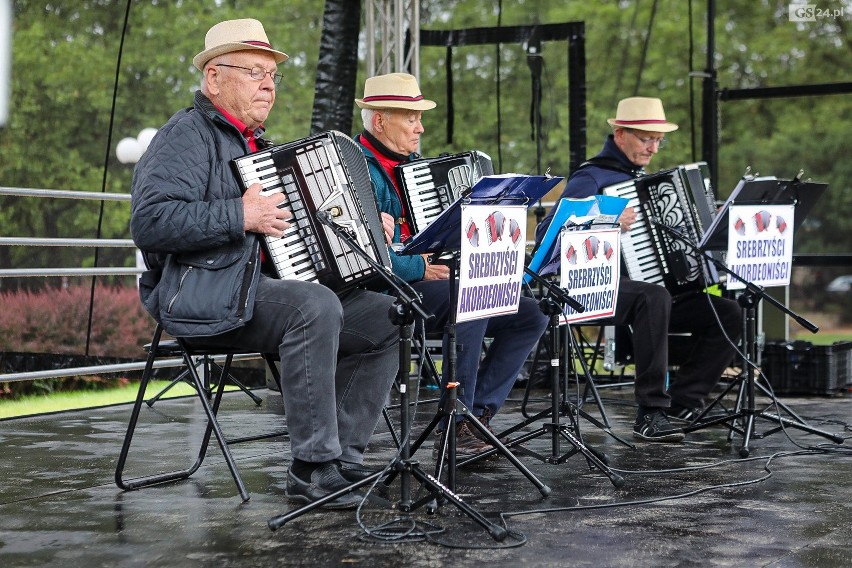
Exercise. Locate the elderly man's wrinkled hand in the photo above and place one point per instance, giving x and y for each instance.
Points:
(627, 218)
(387, 226)
(435, 271)
(263, 213)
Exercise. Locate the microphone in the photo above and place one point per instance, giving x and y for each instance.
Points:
(326, 216)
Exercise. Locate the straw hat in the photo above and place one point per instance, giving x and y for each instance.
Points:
(394, 90)
(642, 113)
(235, 35)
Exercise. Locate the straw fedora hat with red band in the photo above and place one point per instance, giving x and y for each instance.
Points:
(642, 113)
(235, 35)
(394, 90)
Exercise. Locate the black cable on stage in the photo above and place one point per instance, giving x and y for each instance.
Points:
(497, 68)
(645, 48)
(106, 169)
(700, 490)
(691, 55)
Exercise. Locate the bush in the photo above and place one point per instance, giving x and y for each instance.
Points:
(56, 321)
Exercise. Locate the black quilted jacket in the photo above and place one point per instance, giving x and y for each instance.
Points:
(187, 217)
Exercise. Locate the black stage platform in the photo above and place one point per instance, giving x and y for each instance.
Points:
(783, 506)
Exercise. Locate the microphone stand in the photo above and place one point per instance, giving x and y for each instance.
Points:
(745, 411)
(401, 314)
(551, 305)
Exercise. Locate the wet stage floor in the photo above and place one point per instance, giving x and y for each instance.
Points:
(696, 503)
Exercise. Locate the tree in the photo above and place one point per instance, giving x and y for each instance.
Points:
(65, 57)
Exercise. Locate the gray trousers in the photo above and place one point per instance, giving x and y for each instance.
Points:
(338, 362)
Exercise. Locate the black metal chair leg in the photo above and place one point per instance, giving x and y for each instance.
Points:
(136, 483)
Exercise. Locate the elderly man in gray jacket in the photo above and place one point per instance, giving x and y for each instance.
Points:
(200, 234)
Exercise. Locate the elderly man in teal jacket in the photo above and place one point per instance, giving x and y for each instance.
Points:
(391, 110)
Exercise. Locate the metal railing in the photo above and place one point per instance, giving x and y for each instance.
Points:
(73, 271)
(65, 242)
(114, 368)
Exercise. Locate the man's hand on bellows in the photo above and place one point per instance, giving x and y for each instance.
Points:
(262, 214)
(388, 226)
(627, 218)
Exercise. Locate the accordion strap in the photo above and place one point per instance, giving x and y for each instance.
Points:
(610, 164)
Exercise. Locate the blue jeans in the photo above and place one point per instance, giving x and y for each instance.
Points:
(339, 358)
(485, 385)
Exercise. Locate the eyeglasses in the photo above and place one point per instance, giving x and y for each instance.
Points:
(256, 73)
(650, 140)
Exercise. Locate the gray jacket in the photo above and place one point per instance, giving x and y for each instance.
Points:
(187, 217)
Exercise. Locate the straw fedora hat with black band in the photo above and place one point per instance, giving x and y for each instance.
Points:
(235, 35)
(642, 113)
(394, 90)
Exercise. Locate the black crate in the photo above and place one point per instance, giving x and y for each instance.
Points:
(800, 367)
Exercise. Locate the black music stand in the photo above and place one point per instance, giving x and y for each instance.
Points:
(754, 191)
(551, 305)
(546, 262)
(402, 314)
(442, 239)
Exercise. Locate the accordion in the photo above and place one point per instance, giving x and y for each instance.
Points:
(324, 172)
(682, 199)
(430, 185)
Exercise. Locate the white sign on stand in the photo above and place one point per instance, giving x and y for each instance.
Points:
(491, 262)
(760, 245)
(590, 271)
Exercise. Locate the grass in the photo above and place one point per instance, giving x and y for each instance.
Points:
(821, 338)
(76, 400)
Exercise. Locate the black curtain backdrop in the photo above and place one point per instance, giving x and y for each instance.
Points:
(334, 93)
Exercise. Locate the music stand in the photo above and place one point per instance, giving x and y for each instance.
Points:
(546, 261)
(551, 305)
(402, 315)
(442, 239)
(755, 191)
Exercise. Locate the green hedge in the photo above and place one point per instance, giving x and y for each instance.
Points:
(55, 322)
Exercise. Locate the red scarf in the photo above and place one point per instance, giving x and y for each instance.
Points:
(388, 164)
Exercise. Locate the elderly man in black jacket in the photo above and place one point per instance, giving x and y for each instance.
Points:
(201, 236)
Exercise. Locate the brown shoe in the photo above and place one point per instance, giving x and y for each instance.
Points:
(485, 420)
(467, 442)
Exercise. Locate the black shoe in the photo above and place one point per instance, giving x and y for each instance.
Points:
(655, 427)
(353, 472)
(685, 415)
(325, 479)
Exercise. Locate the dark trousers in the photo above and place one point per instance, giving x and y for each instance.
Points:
(649, 310)
(710, 347)
(339, 358)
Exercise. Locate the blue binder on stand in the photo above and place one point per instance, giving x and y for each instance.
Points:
(595, 210)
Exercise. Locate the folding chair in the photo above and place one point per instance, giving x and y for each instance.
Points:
(206, 362)
(203, 393)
